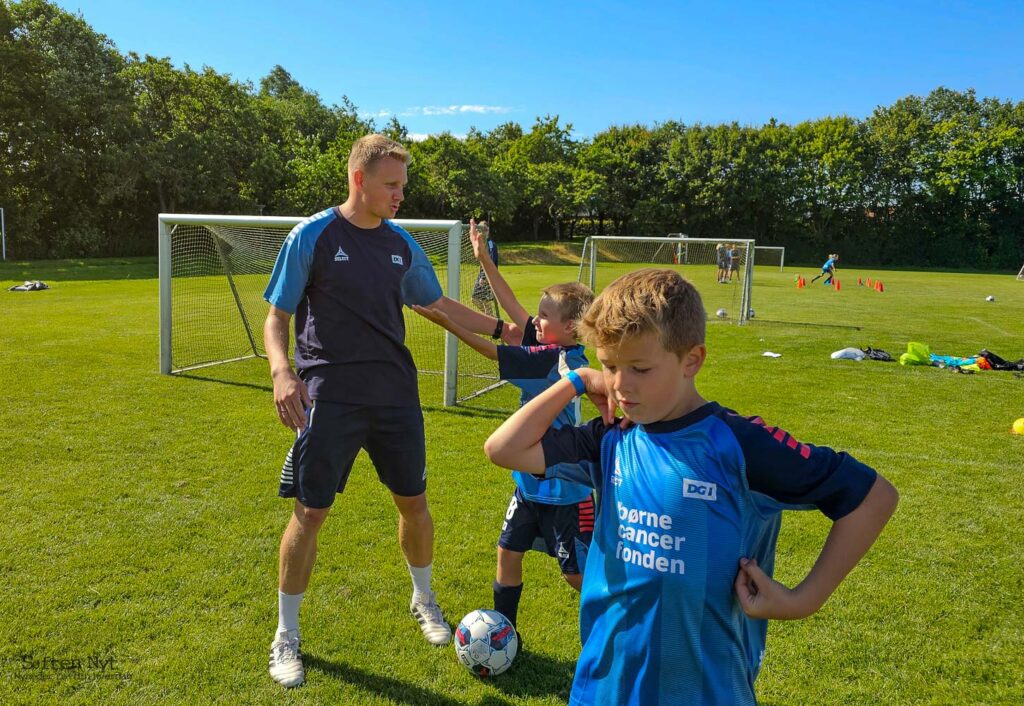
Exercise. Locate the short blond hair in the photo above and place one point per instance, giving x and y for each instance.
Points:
(370, 149)
(572, 299)
(650, 300)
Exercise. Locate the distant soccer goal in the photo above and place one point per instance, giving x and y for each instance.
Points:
(214, 269)
(770, 255)
(722, 271)
(1020, 275)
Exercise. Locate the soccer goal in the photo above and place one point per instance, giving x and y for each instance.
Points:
(770, 255)
(700, 260)
(1020, 275)
(214, 269)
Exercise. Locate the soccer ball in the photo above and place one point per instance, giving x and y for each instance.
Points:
(750, 313)
(990, 298)
(721, 313)
(486, 643)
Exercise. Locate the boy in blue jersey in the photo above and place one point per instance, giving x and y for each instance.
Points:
(829, 268)
(553, 514)
(679, 587)
(344, 274)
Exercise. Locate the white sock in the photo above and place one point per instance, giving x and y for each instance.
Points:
(420, 580)
(288, 611)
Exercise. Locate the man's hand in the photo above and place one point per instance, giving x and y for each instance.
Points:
(291, 398)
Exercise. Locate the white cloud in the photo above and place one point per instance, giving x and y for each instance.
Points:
(432, 110)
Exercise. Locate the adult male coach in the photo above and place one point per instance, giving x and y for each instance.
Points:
(344, 275)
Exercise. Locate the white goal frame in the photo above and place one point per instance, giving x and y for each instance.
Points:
(780, 248)
(167, 222)
(588, 260)
(1020, 275)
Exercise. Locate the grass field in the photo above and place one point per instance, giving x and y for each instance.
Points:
(141, 518)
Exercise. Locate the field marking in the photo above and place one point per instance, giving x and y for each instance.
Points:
(991, 326)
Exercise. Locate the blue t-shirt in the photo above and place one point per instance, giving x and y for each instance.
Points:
(346, 286)
(829, 264)
(679, 503)
(534, 368)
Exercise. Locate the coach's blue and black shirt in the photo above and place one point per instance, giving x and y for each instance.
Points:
(680, 502)
(534, 368)
(346, 286)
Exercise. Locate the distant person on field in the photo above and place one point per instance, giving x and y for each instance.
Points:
(678, 589)
(344, 275)
(829, 269)
(734, 261)
(483, 295)
(555, 515)
(722, 256)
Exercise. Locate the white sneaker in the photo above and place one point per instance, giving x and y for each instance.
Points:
(428, 614)
(286, 659)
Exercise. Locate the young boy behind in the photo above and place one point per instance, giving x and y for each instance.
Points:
(554, 514)
(679, 586)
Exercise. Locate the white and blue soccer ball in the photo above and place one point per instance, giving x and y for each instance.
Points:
(750, 313)
(721, 313)
(486, 643)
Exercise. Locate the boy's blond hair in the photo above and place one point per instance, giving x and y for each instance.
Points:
(370, 149)
(650, 300)
(572, 299)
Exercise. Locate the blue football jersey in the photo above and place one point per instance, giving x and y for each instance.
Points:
(679, 503)
(534, 368)
(346, 286)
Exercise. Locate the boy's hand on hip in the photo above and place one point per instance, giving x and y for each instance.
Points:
(761, 596)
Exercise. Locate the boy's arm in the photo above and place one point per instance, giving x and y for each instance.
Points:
(849, 539)
(516, 443)
(502, 292)
(439, 317)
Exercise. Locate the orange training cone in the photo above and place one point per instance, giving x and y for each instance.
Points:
(836, 282)
(860, 282)
(881, 287)
(869, 282)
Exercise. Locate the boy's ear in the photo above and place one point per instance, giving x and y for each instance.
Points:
(693, 359)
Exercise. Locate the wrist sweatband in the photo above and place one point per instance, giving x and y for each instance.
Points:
(577, 382)
(498, 330)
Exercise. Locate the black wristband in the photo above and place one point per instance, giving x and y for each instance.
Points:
(498, 330)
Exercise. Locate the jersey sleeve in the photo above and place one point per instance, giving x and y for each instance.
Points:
(797, 474)
(419, 285)
(574, 453)
(526, 362)
(290, 276)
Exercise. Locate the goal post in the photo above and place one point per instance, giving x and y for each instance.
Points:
(1020, 275)
(606, 257)
(213, 271)
(769, 255)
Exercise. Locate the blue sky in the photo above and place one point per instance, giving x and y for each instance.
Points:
(449, 65)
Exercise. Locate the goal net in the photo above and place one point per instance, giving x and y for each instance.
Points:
(214, 269)
(770, 255)
(723, 275)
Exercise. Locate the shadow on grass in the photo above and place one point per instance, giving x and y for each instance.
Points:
(532, 675)
(389, 687)
(222, 381)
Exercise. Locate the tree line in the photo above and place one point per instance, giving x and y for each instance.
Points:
(94, 143)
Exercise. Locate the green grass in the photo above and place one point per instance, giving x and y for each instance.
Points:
(141, 518)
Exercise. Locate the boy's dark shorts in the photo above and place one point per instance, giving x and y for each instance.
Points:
(319, 462)
(563, 531)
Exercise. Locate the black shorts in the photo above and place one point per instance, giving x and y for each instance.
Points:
(563, 531)
(319, 462)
